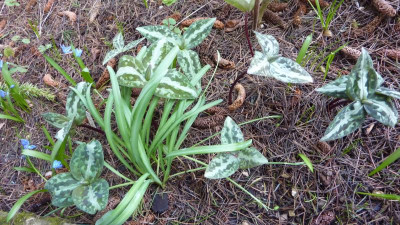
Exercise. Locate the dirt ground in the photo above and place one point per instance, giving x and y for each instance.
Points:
(327, 196)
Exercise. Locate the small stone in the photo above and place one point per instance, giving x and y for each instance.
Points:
(48, 174)
(160, 203)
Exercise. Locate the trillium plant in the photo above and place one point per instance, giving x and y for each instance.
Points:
(363, 86)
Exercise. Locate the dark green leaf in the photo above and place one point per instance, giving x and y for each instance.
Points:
(55, 119)
(60, 188)
(87, 161)
(91, 198)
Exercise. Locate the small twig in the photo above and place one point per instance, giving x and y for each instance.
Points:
(92, 128)
(246, 28)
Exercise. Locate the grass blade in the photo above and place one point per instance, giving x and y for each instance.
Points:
(19, 203)
(384, 196)
(59, 69)
(307, 161)
(389, 160)
(36, 154)
(304, 49)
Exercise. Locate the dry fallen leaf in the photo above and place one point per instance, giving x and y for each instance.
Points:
(94, 11)
(48, 6)
(30, 4)
(3, 24)
(232, 25)
(224, 63)
(48, 79)
(95, 52)
(71, 15)
(217, 24)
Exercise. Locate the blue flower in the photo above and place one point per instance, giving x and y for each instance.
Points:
(66, 49)
(57, 164)
(12, 86)
(78, 52)
(3, 94)
(1, 64)
(26, 145)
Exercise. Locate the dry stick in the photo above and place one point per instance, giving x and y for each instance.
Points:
(256, 14)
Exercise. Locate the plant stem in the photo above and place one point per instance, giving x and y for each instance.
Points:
(92, 128)
(188, 171)
(121, 185)
(246, 28)
(256, 12)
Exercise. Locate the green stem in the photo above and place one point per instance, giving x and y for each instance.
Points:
(188, 171)
(121, 185)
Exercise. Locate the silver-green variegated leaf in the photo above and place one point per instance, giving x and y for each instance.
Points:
(111, 54)
(127, 74)
(175, 85)
(120, 47)
(251, 157)
(221, 166)
(55, 119)
(60, 188)
(346, 121)
(118, 41)
(268, 43)
(61, 134)
(388, 92)
(289, 71)
(382, 109)
(197, 32)
(259, 65)
(155, 54)
(156, 33)
(336, 88)
(75, 107)
(231, 132)
(242, 5)
(87, 161)
(189, 62)
(91, 198)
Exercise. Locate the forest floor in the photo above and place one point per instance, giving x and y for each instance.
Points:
(327, 196)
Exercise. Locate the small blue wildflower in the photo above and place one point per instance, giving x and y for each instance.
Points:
(1, 64)
(66, 49)
(57, 164)
(78, 52)
(26, 145)
(12, 86)
(3, 94)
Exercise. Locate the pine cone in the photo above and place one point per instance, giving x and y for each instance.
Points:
(352, 53)
(299, 13)
(369, 28)
(392, 53)
(274, 19)
(217, 24)
(384, 7)
(277, 6)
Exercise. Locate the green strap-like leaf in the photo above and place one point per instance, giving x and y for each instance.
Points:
(251, 157)
(268, 43)
(221, 166)
(55, 119)
(60, 188)
(382, 109)
(75, 107)
(61, 134)
(175, 85)
(346, 121)
(388, 92)
(259, 65)
(19, 203)
(197, 32)
(87, 161)
(243, 5)
(156, 33)
(389, 160)
(91, 198)
(288, 71)
(336, 88)
(231, 132)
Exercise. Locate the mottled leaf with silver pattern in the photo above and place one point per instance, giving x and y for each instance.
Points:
(197, 32)
(87, 161)
(268, 43)
(75, 108)
(61, 134)
(156, 33)
(91, 198)
(251, 157)
(388, 92)
(336, 88)
(382, 109)
(289, 71)
(55, 119)
(221, 166)
(175, 85)
(60, 188)
(231, 132)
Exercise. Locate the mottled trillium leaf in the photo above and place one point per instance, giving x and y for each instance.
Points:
(197, 32)
(60, 188)
(346, 121)
(156, 53)
(382, 109)
(75, 107)
(156, 33)
(242, 5)
(189, 62)
(268, 43)
(55, 119)
(175, 85)
(289, 71)
(127, 75)
(91, 198)
(119, 47)
(336, 88)
(111, 54)
(221, 166)
(118, 41)
(251, 157)
(259, 65)
(61, 134)
(87, 161)
(388, 92)
(231, 132)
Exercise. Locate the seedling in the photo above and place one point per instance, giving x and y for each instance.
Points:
(363, 87)
(325, 22)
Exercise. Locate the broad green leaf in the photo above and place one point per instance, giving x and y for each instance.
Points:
(111, 54)
(61, 134)
(87, 161)
(131, 45)
(288, 71)
(91, 198)
(175, 85)
(389, 160)
(251, 157)
(336, 88)
(60, 188)
(75, 107)
(260, 65)
(156, 33)
(127, 74)
(56, 120)
(223, 165)
(268, 43)
(11, 3)
(155, 54)
(231, 132)
(384, 196)
(189, 62)
(382, 109)
(118, 41)
(197, 32)
(388, 92)
(242, 5)
(346, 121)
(307, 161)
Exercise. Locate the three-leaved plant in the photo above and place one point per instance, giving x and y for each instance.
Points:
(363, 87)
(81, 186)
(270, 64)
